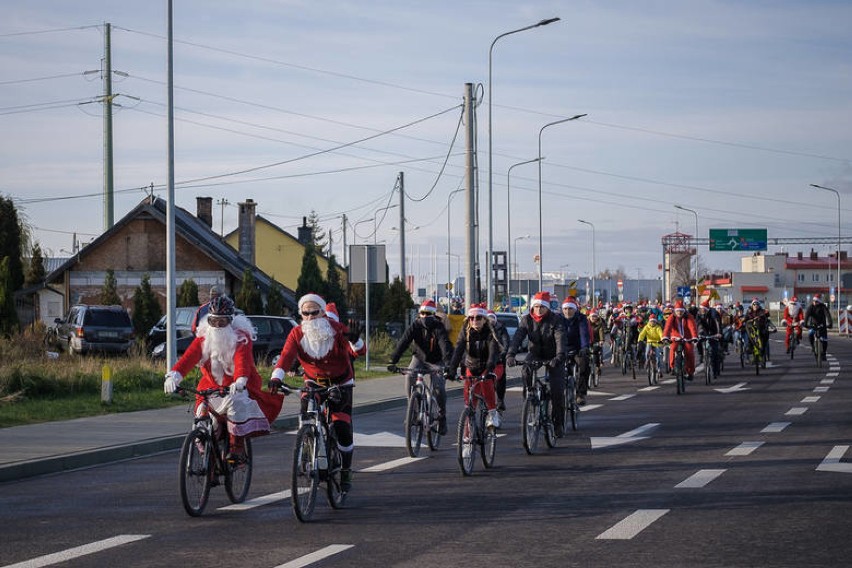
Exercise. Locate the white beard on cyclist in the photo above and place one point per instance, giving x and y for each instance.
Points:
(220, 344)
(317, 338)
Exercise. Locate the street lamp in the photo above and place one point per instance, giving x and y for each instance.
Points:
(515, 243)
(695, 299)
(509, 218)
(540, 233)
(490, 153)
(375, 220)
(594, 261)
(836, 193)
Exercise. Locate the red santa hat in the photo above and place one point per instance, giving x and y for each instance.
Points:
(679, 306)
(477, 310)
(428, 306)
(569, 302)
(331, 311)
(311, 297)
(491, 315)
(541, 299)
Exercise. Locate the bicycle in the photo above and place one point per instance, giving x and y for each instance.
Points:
(316, 456)
(572, 409)
(422, 414)
(203, 458)
(679, 368)
(794, 338)
(739, 346)
(472, 434)
(820, 341)
(758, 355)
(537, 414)
(595, 354)
(709, 358)
(653, 365)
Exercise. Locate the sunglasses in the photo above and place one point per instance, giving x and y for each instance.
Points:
(426, 313)
(218, 321)
(476, 318)
(311, 313)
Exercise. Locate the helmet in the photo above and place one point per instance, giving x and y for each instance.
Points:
(627, 306)
(755, 302)
(221, 306)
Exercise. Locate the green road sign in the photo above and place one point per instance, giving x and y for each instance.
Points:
(737, 239)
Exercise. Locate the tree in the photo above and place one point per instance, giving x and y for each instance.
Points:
(318, 234)
(35, 272)
(188, 294)
(396, 303)
(146, 308)
(8, 315)
(334, 291)
(310, 279)
(275, 305)
(109, 292)
(13, 235)
(249, 298)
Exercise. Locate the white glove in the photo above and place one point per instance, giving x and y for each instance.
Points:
(239, 385)
(173, 379)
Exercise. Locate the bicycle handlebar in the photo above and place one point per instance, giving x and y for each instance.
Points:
(221, 391)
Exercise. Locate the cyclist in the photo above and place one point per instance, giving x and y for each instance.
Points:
(597, 328)
(546, 334)
(322, 347)
(577, 337)
(682, 325)
(727, 326)
(478, 351)
(500, 370)
(793, 318)
(222, 349)
(710, 324)
(431, 351)
(652, 336)
(818, 320)
(759, 319)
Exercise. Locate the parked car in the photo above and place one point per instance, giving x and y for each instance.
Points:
(511, 321)
(271, 331)
(88, 329)
(183, 326)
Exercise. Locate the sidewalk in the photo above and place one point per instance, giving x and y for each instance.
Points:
(51, 447)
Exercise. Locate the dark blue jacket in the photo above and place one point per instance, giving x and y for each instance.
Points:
(576, 332)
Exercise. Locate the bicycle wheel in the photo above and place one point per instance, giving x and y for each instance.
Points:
(433, 434)
(489, 440)
(466, 437)
(633, 366)
(305, 476)
(196, 471)
(333, 482)
(238, 475)
(818, 351)
(708, 366)
(571, 407)
(547, 423)
(741, 350)
(680, 374)
(414, 423)
(757, 362)
(624, 363)
(530, 425)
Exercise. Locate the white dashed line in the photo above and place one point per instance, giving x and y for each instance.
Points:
(775, 427)
(314, 557)
(827, 382)
(77, 552)
(700, 478)
(810, 399)
(390, 465)
(821, 389)
(632, 525)
(797, 411)
(623, 397)
(744, 449)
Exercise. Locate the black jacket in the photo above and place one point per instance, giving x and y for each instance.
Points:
(502, 338)
(817, 315)
(709, 323)
(476, 350)
(429, 341)
(547, 337)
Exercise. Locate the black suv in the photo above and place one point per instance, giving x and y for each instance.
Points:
(87, 329)
(183, 326)
(271, 331)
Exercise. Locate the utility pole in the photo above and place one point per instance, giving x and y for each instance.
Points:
(345, 252)
(402, 229)
(469, 280)
(109, 196)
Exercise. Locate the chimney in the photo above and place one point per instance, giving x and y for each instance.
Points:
(799, 255)
(204, 210)
(306, 233)
(247, 230)
(814, 255)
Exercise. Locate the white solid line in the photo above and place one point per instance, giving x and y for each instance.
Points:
(809, 399)
(257, 501)
(639, 431)
(600, 393)
(623, 397)
(313, 557)
(391, 464)
(821, 389)
(632, 525)
(797, 411)
(827, 382)
(700, 478)
(78, 551)
(775, 427)
(744, 449)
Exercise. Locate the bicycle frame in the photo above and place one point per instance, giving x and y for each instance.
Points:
(537, 410)
(472, 432)
(422, 413)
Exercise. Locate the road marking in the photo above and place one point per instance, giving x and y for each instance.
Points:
(380, 440)
(832, 461)
(623, 397)
(257, 501)
(648, 389)
(632, 525)
(821, 389)
(832, 374)
(744, 449)
(797, 411)
(626, 438)
(775, 427)
(827, 382)
(600, 393)
(78, 551)
(810, 399)
(313, 557)
(700, 478)
(736, 388)
(391, 464)
(588, 407)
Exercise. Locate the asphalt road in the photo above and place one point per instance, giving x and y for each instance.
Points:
(753, 471)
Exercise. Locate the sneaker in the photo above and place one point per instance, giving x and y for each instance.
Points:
(442, 425)
(689, 377)
(501, 406)
(345, 480)
(581, 400)
(493, 420)
(558, 430)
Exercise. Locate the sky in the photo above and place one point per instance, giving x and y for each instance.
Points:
(727, 108)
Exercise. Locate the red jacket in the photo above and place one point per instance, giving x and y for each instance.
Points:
(685, 331)
(335, 366)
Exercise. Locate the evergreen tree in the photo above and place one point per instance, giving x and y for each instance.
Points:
(318, 234)
(146, 308)
(310, 279)
(13, 234)
(249, 298)
(8, 315)
(109, 292)
(397, 302)
(188, 294)
(333, 289)
(275, 305)
(35, 271)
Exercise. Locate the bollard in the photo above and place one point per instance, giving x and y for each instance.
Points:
(106, 384)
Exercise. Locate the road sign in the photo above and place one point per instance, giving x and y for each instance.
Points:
(737, 239)
(684, 291)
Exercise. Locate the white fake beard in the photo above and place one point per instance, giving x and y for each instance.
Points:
(793, 310)
(318, 337)
(220, 344)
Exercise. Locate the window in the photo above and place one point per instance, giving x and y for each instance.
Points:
(815, 277)
(831, 276)
(800, 277)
